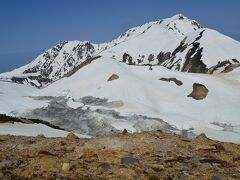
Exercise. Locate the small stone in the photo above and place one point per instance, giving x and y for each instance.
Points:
(215, 178)
(44, 152)
(63, 143)
(72, 136)
(205, 147)
(40, 136)
(22, 166)
(6, 164)
(157, 167)
(20, 147)
(129, 160)
(202, 136)
(65, 167)
(124, 131)
(219, 147)
(105, 166)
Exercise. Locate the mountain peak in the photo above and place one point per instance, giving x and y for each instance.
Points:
(178, 16)
(182, 20)
(177, 43)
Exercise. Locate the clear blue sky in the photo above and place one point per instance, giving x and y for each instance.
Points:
(31, 26)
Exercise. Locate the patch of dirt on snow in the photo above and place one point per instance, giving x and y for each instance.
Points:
(146, 155)
(199, 91)
(175, 80)
(113, 77)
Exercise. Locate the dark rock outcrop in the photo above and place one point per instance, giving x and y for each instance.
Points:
(193, 62)
(162, 57)
(128, 59)
(176, 81)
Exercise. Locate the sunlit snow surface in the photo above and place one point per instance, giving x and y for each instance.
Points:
(20, 129)
(142, 93)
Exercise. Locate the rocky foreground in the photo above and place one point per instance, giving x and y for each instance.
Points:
(147, 155)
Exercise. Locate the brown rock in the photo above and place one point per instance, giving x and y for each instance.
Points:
(40, 136)
(72, 136)
(212, 159)
(124, 131)
(205, 147)
(219, 147)
(157, 167)
(63, 143)
(88, 153)
(199, 91)
(44, 152)
(105, 166)
(65, 167)
(202, 136)
(129, 160)
(5, 164)
(113, 77)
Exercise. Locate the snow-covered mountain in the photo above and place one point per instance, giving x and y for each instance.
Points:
(140, 81)
(177, 43)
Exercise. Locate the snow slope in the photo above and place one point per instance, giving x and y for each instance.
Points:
(143, 93)
(14, 98)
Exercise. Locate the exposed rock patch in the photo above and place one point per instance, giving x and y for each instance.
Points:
(193, 57)
(162, 57)
(83, 64)
(175, 80)
(113, 77)
(199, 91)
(225, 126)
(224, 66)
(129, 160)
(6, 163)
(127, 59)
(71, 136)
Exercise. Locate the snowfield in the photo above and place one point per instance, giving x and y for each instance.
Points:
(14, 98)
(20, 129)
(143, 93)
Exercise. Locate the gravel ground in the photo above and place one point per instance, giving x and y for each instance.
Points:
(146, 155)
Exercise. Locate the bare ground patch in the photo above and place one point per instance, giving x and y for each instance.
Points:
(199, 91)
(175, 80)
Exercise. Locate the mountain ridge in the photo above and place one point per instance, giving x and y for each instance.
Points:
(176, 43)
